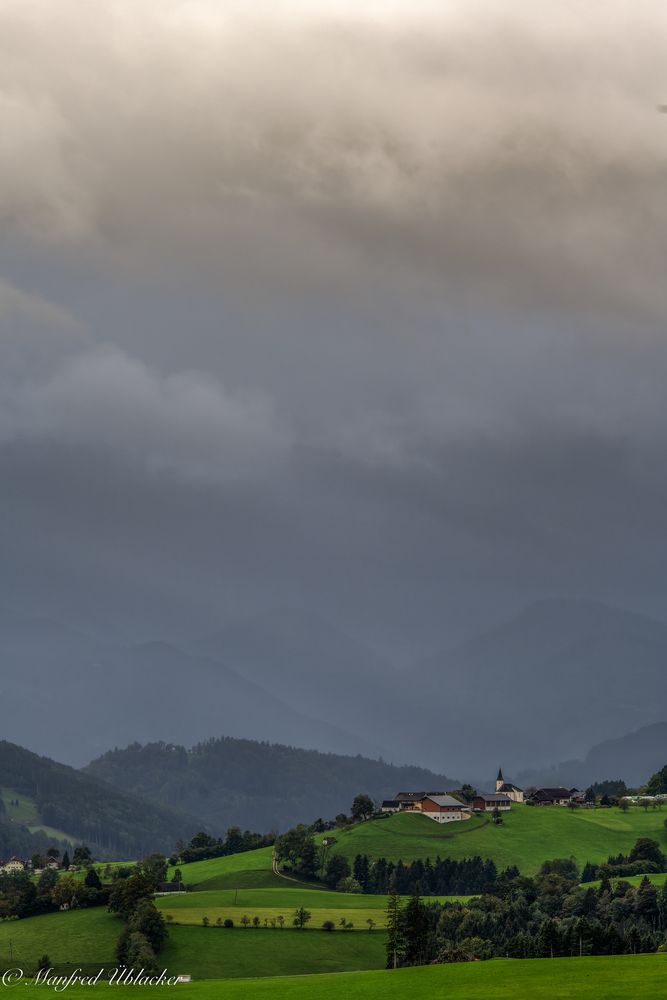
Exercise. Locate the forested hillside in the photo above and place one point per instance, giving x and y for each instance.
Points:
(113, 823)
(257, 785)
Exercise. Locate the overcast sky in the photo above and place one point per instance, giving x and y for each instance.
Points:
(351, 306)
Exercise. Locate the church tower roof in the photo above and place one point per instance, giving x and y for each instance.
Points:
(500, 774)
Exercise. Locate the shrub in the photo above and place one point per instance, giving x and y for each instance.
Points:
(328, 925)
(228, 922)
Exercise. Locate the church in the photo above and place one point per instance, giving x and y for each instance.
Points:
(507, 788)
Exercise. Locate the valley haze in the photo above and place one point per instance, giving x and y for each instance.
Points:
(332, 367)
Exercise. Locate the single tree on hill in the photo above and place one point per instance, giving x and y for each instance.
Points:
(362, 807)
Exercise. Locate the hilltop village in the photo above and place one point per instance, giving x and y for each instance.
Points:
(459, 805)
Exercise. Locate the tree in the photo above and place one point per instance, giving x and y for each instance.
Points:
(65, 891)
(336, 869)
(82, 855)
(148, 920)
(245, 920)
(328, 925)
(371, 923)
(415, 930)
(205, 921)
(66, 862)
(92, 879)
(497, 818)
(623, 804)
(154, 867)
(44, 963)
(256, 921)
(394, 930)
(362, 807)
(301, 917)
(281, 921)
(646, 849)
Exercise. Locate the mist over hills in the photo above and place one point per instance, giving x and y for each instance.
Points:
(547, 685)
(257, 785)
(632, 757)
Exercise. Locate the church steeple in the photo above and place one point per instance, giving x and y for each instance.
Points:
(500, 781)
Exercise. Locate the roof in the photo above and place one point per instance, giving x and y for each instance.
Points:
(507, 786)
(493, 797)
(390, 802)
(500, 774)
(446, 801)
(410, 796)
(553, 793)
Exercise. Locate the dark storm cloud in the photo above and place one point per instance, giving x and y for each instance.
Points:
(417, 360)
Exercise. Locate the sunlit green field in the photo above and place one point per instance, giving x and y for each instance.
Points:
(251, 869)
(615, 978)
(632, 879)
(527, 836)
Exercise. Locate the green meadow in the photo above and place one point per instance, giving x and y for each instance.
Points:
(603, 978)
(527, 836)
(251, 869)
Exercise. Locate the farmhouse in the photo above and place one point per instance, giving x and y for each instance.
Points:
(443, 808)
(554, 796)
(488, 801)
(507, 788)
(12, 866)
(439, 806)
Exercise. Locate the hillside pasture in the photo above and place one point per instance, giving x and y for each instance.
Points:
(269, 904)
(26, 814)
(251, 869)
(614, 978)
(75, 936)
(527, 836)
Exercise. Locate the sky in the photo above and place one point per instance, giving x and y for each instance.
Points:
(357, 308)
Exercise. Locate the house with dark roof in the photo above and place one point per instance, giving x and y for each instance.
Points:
(390, 806)
(554, 796)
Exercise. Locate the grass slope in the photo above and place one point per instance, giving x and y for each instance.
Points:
(252, 869)
(27, 814)
(77, 936)
(615, 978)
(192, 907)
(528, 835)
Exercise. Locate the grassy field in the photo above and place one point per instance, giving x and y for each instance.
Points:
(27, 814)
(251, 869)
(267, 904)
(88, 937)
(615, 978)
(632, 879)
(79, 936)
(526, 837)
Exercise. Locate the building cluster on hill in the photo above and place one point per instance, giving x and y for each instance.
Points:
(14, 865)
(456, 806)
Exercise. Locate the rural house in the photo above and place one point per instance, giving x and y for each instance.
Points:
(443, 808)
(12, 866)
(488, 801)
(554, 796)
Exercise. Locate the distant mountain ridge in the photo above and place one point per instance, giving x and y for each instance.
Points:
(261, 786)
(632, 758)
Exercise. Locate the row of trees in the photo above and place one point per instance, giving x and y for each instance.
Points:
(131, 897)
(550, 915)
(203, 846)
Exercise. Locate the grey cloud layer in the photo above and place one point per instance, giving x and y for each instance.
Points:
(379, 292)
(494, 151)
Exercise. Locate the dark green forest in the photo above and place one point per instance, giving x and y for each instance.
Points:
(115, 824)
(260, 786)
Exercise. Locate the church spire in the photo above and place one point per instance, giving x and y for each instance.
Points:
(500, 781)
(500, 774)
